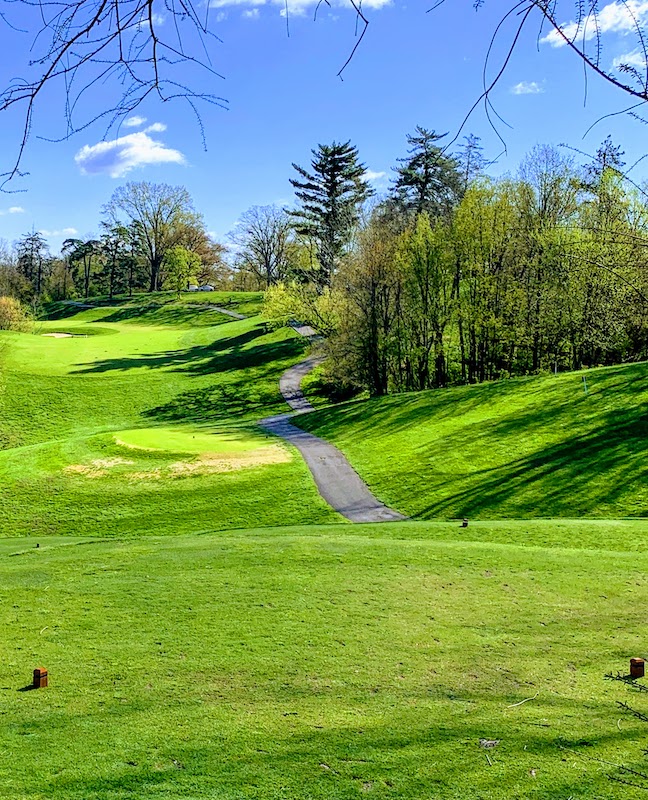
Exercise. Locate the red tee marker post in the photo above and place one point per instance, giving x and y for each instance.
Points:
(637, 668)
(40, 678)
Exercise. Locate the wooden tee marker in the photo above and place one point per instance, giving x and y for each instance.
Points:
(637, 667)
(40, 678)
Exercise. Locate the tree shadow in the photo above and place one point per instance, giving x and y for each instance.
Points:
(228, 353)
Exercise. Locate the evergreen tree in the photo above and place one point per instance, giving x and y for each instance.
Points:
(33, 260)
(331, 196)
(609, 156)
(429, 181)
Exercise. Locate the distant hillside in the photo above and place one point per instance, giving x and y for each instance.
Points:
(532, 447)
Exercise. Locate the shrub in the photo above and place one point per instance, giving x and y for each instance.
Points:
(13, 316)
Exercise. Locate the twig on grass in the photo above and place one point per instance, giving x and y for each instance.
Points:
(524, 701)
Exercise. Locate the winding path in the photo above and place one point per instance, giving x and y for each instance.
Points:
(337, 481)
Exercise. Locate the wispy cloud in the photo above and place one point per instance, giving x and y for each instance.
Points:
(57, 233)
(634, 59)
(251, 13)
(12, 210)
(373, 177)
(294, 7)
(134, 122)
(527, 87)
(620, 16)
(120, 156)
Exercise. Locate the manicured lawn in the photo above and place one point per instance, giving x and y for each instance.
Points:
(323, 662)
(534, 447)
(147, 424)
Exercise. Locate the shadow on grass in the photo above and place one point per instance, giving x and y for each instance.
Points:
(228, 353)
(587, 470)
(426, 760)
(168, 313)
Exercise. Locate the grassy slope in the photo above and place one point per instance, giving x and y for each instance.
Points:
(536, 447)
(147, 366)
(322, 662)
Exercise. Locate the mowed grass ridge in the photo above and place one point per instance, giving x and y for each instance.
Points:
(546, 446)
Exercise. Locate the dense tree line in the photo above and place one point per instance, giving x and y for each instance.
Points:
(151, 238)
(457, 277)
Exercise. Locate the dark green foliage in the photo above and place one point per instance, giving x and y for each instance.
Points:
(428, 180)
(33, 261)
(331, 195)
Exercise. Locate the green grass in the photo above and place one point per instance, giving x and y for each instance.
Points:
(209, 638)
(534, 447)
(323, 662)
(183, 389)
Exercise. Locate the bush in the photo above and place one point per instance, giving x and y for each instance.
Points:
(13, 315)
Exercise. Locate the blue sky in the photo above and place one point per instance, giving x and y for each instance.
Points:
(284, 97)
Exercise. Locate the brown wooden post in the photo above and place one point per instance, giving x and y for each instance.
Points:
(637, 667)
(40, 678)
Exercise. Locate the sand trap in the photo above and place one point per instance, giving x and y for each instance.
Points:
(59, 335)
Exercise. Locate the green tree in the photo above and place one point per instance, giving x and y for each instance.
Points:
(330, 197)
(428, 181)
(181, 265)
(159, 215)
(33, 259)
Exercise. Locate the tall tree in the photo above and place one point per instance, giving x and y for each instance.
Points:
(330, 197)
(428, 181)
(262, 239)
(86, 254)
(160, 213)
(33, 260)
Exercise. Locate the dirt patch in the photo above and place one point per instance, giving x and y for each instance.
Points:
(211, 463)
(230, 462)
(97, 468)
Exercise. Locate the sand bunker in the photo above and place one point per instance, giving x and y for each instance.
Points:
(58, 335)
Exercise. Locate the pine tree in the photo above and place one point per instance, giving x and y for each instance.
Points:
(429, 180)
(331, 196)
(33, 260)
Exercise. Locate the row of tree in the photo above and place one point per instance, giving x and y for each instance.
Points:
(151, 238)
(455, 277)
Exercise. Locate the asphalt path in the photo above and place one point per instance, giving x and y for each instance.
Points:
(336, 480)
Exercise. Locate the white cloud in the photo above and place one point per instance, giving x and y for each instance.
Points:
(62, 232)
(295, 7)
(134, 122)
(371, 176)
(251, 13)
(12, 210)
(634, 59)
(620, 16)
(120, 156)
(527, 87)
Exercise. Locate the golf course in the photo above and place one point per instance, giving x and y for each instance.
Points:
(213, 629)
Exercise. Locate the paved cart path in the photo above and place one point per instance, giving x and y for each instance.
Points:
(337, 481)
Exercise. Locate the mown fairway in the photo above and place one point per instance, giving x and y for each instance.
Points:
(534, 447)
(144, 421)
(210, 636)
(323, 662)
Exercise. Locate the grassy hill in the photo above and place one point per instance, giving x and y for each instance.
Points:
(328, 662)
(534, 447)
(143, 420)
